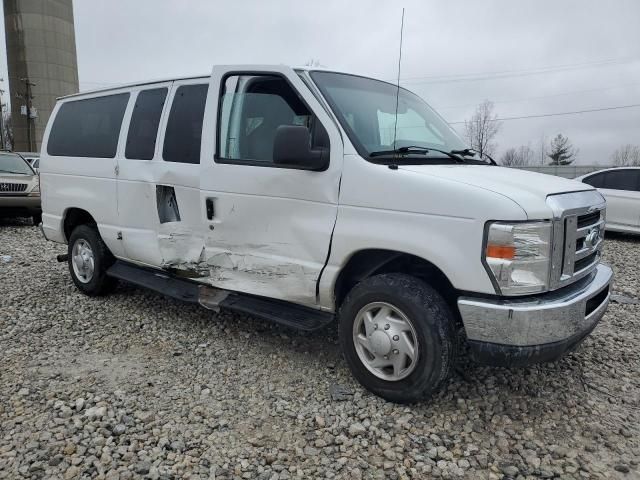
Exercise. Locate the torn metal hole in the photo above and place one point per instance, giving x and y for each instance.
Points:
(168, 210)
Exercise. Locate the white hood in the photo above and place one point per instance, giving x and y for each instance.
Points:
(527, 189)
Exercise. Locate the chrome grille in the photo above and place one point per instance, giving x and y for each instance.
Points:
(584, 235)
(578, 235)
(6, 187)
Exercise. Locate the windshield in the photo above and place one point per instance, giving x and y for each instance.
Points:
(366, 108)
(10, 163)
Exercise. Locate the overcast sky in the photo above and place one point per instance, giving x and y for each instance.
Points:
(529, 57)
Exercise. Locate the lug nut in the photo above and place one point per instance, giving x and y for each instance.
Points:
(396, 338)
(396, 351)
(375, 326)
(387, 326)
(386, 357)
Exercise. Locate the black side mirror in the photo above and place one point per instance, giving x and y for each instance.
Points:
(292, 148)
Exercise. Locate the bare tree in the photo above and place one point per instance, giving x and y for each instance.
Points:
(482, 129)
(518, 157)
(543, 148)
(626, 156)
(509, 158)
(562, 152)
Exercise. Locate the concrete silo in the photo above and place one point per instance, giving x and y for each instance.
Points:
(42, 63)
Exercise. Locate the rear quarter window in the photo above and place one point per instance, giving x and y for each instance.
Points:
(88, 127)
(622, 179)
(596, 180)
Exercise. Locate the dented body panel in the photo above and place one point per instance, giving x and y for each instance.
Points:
(271, 228)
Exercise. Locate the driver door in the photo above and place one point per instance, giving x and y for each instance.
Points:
(268, 227)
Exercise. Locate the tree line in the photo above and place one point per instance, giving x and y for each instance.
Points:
(484, 125)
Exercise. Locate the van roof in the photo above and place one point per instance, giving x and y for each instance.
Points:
(132, 84)
(194, 77)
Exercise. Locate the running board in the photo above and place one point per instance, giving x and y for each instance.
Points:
(285, 313)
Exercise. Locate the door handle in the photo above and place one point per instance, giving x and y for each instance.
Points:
(209, 205)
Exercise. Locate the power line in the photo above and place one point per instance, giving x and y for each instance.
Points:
(469, 77)
(524, 99)
(548, 67)
(557, 114)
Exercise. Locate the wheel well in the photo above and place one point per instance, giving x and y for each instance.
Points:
(367, 263)
(75, 217)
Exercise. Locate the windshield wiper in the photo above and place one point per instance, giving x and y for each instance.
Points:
(11, 171)
(415, 149)
(470, 152)
(465, 152)
(400, 151)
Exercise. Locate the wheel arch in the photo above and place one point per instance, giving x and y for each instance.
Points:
(74, 217)
(366, 263)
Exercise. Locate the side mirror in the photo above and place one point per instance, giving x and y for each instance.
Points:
(292, 148)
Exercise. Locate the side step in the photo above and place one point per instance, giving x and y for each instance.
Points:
(284, 313)
(155, 280)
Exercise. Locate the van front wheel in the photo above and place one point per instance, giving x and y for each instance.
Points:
(89, 258)
(398, 337)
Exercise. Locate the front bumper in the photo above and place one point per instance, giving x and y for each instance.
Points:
(19, 205)
(514, 332)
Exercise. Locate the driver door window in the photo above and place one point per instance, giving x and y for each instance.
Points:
(252, 107)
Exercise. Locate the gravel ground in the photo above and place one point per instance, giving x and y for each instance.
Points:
(138, 385)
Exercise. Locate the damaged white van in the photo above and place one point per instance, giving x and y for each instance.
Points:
(305, 196)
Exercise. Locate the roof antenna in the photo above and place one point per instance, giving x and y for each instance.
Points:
(395, 127)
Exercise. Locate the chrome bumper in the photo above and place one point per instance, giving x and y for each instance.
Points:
(561, 317)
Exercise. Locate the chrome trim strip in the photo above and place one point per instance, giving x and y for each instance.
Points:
(584, 231)
(545, 318)
(585, 252)
(569, 245)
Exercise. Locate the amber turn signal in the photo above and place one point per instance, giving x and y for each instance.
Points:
(507, 252)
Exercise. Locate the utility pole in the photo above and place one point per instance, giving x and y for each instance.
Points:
(27, 97)
(3, 144)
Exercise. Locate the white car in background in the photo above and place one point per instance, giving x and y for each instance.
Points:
(621, 188)
(33, 158)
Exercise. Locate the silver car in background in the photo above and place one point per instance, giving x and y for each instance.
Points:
(19, 188)
(621, 188)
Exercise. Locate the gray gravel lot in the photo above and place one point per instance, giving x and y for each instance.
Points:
(138, 385)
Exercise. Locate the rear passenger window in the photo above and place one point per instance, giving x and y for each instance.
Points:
(88, 128)
(143, 128)
(184, 127)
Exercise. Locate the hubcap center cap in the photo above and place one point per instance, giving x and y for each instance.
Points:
(380, 343)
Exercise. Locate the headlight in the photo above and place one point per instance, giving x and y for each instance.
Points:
(35, 191)
(518, 256)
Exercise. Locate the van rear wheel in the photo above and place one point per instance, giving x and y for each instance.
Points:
(397, 334)
(88, 259)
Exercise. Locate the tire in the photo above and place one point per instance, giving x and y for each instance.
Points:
(37, 219)
(97, 283)
(431, 329)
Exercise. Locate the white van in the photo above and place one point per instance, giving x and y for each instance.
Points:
(303, 196)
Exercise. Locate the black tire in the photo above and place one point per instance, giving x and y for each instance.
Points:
(37, 219)
(432, 321)
(100, 283)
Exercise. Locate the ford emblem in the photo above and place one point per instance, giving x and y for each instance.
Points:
(592, 237)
